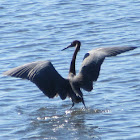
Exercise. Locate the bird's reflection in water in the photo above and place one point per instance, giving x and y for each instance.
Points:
(72, 123)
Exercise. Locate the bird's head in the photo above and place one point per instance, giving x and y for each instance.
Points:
(75, 43)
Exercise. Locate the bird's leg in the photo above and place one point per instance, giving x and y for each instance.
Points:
(83, 103)
(72, 105)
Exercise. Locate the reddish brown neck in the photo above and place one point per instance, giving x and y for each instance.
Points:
(72, 66)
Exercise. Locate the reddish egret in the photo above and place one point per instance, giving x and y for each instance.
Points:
(51, 83)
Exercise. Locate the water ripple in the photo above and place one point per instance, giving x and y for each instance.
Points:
(38, 30)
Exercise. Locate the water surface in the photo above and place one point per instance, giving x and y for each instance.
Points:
(38, 30)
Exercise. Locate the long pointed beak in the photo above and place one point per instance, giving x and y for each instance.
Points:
(67, 47)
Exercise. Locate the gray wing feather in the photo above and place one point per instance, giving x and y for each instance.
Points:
(91, 65)
(44, 75)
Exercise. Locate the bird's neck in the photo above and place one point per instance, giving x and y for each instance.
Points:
(72, 66)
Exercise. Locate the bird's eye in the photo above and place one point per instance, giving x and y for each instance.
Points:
(72, 44)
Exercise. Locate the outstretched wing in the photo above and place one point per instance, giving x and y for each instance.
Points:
(44, 75)
(91, 65)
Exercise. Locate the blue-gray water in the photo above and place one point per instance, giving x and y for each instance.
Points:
(38, 30)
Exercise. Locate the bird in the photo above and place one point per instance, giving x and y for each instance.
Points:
(51, 83)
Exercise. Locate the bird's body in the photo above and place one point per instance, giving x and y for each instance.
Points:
(51, 83)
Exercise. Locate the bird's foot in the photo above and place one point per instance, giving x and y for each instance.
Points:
(83, 103)
(72, 105)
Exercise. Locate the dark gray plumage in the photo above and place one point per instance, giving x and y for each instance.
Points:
(51, 83)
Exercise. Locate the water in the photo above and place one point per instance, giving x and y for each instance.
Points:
(38, 30)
